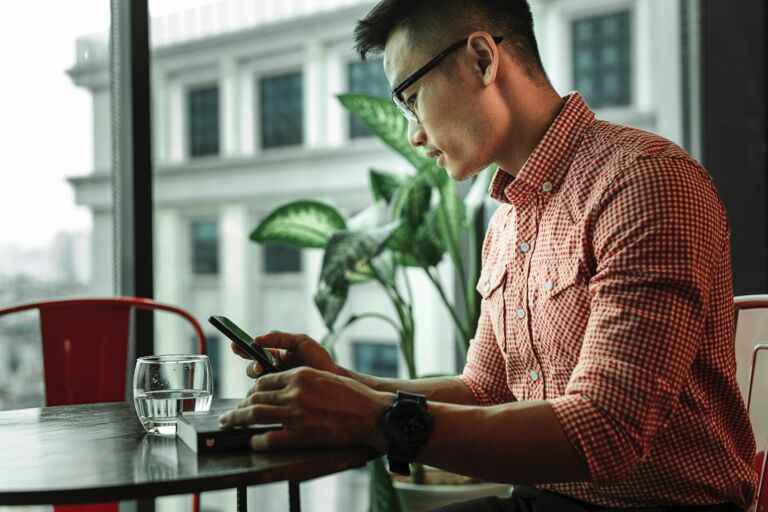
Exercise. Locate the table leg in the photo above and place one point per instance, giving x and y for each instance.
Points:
(242, 498)
(294, 497)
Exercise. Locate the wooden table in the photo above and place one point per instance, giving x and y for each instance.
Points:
(99, 452)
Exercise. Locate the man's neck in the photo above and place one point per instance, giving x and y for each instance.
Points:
(536, 114)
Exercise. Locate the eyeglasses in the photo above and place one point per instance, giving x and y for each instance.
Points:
(397, 92)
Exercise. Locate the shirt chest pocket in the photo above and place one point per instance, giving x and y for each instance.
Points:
(561, 304)
(491, 289)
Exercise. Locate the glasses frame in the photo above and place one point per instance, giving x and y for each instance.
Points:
(397, 92)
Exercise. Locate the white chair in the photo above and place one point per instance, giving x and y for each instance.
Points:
(751, 316)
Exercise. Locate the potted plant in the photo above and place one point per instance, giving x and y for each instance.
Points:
(415, 220)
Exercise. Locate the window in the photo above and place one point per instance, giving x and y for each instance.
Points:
(281, 259)
(379, 359)
(282, 110)
(55, 241)
(366, 78)
(203, 115)
(602, 59)
(205, 247)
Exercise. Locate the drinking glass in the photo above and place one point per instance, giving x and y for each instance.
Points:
(167, 385)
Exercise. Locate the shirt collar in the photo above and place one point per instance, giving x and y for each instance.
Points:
(545, 169)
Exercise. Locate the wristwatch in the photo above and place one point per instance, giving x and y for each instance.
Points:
(406, 425)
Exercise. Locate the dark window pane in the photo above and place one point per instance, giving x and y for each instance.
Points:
(205, 247)
(280, 259)
(379, 359)
(282, 110)
(602, 59)
(366, 78)
(203, 115)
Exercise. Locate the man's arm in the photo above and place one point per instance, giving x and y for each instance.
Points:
(437, 389)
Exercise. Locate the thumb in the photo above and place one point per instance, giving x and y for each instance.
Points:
(283, 340)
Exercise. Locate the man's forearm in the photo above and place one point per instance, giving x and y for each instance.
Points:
(519, 442)
(437, 389)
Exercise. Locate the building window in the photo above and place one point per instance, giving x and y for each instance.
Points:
(282, 110)
(602, 59)
(205, 247)
(366, 78)
(281, 259)
(379, 359)
(203, 115)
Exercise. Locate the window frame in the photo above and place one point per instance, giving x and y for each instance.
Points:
(250, 73)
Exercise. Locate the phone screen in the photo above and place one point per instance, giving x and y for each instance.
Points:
(244, 340)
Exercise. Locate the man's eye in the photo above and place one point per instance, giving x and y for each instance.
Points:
(411, 101)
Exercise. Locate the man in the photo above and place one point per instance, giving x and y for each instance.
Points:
(603, 366)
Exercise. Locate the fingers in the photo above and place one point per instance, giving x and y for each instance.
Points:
(285, 438)
(283, 340)
(253, 414)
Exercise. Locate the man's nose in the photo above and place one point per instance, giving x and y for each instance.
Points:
(416, 134)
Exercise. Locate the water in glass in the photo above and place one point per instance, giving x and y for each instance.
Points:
(166, 386)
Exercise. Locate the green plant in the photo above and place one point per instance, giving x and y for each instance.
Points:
(415, 220)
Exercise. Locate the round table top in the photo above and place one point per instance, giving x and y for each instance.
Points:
(99, 452)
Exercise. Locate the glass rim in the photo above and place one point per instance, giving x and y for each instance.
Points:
(172, 358)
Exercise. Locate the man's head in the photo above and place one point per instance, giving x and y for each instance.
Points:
(462, 104)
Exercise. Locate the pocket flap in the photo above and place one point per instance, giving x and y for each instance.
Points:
(490, 280)
(559, 277)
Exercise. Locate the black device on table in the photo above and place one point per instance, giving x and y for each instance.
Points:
(244, 341)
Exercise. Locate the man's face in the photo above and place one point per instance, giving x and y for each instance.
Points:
(445, 101)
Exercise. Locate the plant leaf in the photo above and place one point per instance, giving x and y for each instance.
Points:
(385, 184)
(412, 200)
(384, 119)
(304, 223)
(330, 301)
(383, 497)
(450, 220)
(369, 217)
(345, 252)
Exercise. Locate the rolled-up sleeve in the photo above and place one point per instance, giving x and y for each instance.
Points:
(655, 236)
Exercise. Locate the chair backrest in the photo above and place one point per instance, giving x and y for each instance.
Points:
(751, 315)
(85, 345)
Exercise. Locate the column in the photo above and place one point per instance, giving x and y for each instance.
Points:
(229, 85)
(235, 291)
(314, 95)
(172, 334)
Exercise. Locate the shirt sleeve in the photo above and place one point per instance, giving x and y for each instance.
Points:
(656, 236)
(485, 371)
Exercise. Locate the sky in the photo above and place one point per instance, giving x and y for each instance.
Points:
(45, 121)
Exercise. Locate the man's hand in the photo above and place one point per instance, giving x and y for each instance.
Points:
(317, 408)
(290, 351)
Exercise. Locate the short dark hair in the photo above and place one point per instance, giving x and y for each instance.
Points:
(431, 24)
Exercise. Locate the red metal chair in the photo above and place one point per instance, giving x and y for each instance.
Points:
(94, 334)
(756, 332)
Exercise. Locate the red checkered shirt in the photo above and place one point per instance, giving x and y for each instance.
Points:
(607, 292)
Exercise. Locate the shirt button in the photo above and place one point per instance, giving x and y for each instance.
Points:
(546, 186)
(520, 313)
(548, 285)
(525, 247)
(534, 375)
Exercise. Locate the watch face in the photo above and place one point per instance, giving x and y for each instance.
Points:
(408, 422)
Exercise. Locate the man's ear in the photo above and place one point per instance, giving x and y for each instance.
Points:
(485, 53)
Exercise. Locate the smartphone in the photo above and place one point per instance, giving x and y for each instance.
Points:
(243, 340)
